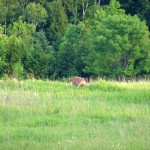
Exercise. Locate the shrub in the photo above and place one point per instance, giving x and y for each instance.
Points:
(18, 71)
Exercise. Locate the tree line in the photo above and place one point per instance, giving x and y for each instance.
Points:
(61, 38)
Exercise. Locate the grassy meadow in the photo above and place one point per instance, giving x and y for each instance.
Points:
(52, 115)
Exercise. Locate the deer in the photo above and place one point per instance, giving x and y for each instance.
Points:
(78, 81)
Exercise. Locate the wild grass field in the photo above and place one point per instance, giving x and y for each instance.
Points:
(52, 115)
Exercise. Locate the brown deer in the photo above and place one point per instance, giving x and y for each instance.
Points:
(78, 81)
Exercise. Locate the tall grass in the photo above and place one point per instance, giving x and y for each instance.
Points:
(37, 114)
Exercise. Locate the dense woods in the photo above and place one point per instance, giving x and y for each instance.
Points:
(60, 38)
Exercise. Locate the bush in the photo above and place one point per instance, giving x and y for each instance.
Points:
(18, 71)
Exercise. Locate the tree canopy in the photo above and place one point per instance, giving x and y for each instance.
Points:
(61, 38)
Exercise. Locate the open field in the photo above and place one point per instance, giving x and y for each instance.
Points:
(52, 115)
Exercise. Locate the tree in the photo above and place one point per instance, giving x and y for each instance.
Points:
(121, 41)
(3, 13)
(100, 39)
(18, 71)
(57, 22)
(77, 9)
(72, 8)
(140, 7)
(35, 14)
(15, 52)
(43, 60)
(111, 44)
(73, 52)
(10, 10)
(23, 30)
(3, 43)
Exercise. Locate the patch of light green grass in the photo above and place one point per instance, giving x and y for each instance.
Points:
(39, 114)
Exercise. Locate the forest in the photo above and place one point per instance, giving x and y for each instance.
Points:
(54, 39)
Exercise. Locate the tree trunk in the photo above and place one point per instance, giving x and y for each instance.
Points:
(5, 32)
(85, 8)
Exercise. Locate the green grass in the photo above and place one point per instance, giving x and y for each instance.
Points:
(47, 115)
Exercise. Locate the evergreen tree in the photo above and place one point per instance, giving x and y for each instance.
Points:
(43, 57)
(57, 22)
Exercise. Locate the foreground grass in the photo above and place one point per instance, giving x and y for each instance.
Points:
(55, 115)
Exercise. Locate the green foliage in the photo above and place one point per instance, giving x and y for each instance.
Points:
(141, 7)
(121, 41)
(101, 40)
(23, 30)
(10, 11)
(114, 8)
(74, 50)
(18, 71)
(57, 22)
(3, 12)
(36, 14)
(42, 57)
(3, 44)
(15, 52)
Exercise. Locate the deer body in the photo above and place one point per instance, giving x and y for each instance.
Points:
(78, 81)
